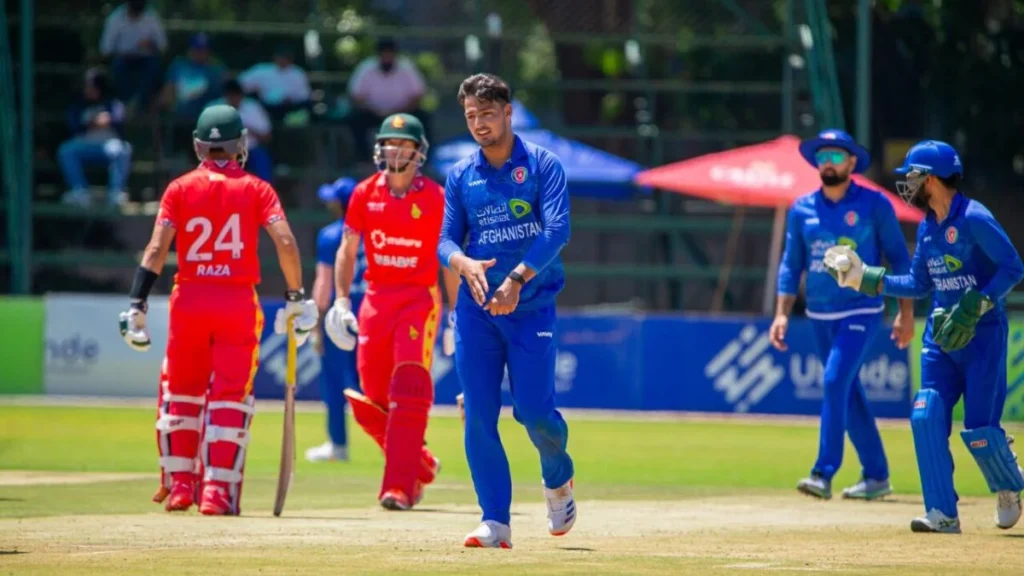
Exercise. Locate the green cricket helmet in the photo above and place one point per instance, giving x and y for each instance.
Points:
(220, 128)
(395, 158)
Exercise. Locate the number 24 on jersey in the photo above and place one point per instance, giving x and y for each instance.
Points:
(229, 239)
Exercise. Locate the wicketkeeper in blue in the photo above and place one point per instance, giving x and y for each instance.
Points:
(845, 323)
(506, 220)
(337, 367)
(964, 258)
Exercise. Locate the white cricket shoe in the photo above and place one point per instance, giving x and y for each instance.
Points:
(868, 489)
(1008, 509)
(489, 534)
(815, 486)
(935, 521)
(561, 509)
(327, 452)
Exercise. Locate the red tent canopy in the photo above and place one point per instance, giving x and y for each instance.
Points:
(769, 174)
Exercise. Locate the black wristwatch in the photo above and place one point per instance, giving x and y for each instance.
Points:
(295, 295)
(517, 277)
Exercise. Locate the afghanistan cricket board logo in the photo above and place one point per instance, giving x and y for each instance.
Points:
(519, 175)
(851, 218)
(952, 234)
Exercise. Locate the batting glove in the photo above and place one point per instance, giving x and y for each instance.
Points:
(303, 311)
(448, 338)
(133, 327)
(341, 325)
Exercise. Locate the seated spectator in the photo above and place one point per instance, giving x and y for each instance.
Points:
(257, 123)
(193, 80)
(280, 85)
(381, 86)
(134, 40)
(95, 124)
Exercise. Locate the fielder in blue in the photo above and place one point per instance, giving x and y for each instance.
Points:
(845, 322)
(337, 367)
(966, 261)
(506, 220)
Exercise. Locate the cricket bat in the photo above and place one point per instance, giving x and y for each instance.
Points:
(287, 471)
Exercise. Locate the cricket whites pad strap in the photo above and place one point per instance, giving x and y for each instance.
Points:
(929, 424)
(168, 423)
(223, 475)
(998, 463)
(248, 408)
(177, 464)
(181, 399)
(238, 436)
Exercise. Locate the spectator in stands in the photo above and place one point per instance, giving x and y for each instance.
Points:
(96, 139)
(257, 122)
(134, 40)
(193, 80)
(383, 85)
(280, 85)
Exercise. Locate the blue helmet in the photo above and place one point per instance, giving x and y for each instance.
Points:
(927, 158)
(339, 190)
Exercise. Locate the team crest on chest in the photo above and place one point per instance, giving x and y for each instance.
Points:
(952, 234)
(519, 175)
(851, 218)
(416, 212)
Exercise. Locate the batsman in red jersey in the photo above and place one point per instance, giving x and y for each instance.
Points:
(206, 403)
(398, 214)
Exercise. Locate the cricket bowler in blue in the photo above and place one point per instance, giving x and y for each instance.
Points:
(337, 367)
(506, 220)
(966, 261)
(845, 322)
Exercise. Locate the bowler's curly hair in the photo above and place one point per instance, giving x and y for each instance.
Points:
(485, 87)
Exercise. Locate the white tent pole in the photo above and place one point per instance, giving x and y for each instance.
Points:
(774, 255)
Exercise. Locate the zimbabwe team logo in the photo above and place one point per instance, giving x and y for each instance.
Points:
(952, 234)
(851, 218)
(519, 175)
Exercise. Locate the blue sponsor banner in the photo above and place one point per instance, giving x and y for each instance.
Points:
(729, 365)
(674, 363)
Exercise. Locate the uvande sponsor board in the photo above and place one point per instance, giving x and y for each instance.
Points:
(85, 355)
(612, 362)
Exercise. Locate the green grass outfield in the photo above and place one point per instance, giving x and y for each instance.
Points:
(738, 473)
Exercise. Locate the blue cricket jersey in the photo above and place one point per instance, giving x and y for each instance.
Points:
(865, 221)
(327, 243)
(968, 249)
(518, 213)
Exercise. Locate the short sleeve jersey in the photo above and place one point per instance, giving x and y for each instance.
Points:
(218, 212)
(400, 234)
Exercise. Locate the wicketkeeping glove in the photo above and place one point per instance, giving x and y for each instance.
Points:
(957, 329)
(341, 325)
(843, 264)
(133, 327)
(448, 338)
(304, 312)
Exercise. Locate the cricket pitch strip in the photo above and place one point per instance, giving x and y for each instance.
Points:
(780, 534)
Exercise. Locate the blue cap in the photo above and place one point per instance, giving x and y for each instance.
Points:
(833, 138)
(932, 157)
(200, 41)
(338, 190)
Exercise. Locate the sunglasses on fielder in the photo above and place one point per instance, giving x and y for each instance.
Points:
(830, 157)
